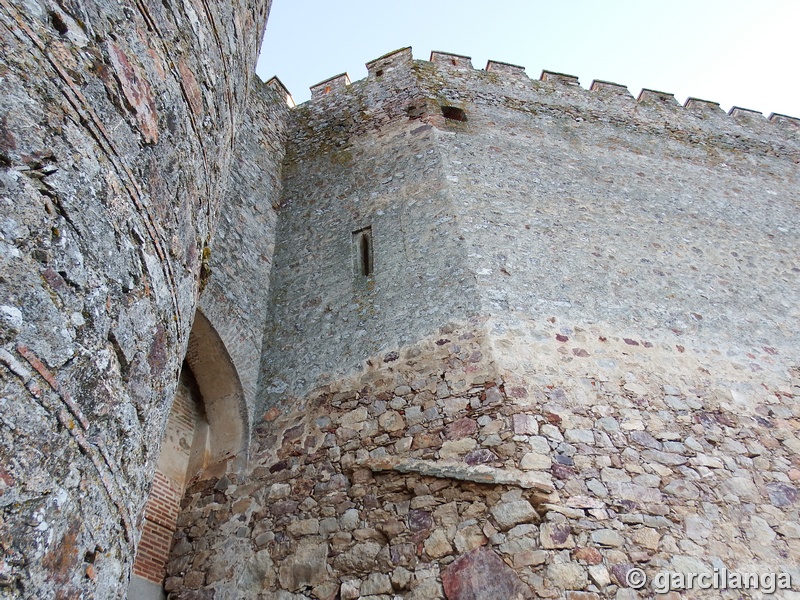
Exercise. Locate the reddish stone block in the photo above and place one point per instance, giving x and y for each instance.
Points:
(481, 575)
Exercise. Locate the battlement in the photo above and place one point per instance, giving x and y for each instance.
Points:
(449, 60)
(553, 77)
(390, 61)
(506, 68)
(329, 85)
(603, 91)
(277, 85)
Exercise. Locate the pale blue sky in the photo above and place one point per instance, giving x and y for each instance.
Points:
(734, 52)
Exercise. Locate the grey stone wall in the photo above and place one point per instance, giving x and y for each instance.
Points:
(441, 474)
(552, 200)
(116, 133)
(599, 373)
(360, 157)
(236, 285)
(655, 219)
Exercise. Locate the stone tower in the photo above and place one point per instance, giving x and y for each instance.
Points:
(443, 332)
(522, 339)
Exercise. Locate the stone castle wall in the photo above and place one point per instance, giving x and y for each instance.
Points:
(357, 159)
(235, 294)
(117, 123)
(575, 352)
(576, 355)
(587, 204)
(435, 474)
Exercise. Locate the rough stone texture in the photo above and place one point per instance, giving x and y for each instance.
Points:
(481, 575)
(234, 297)
(374, 132)
(576, 352)
(117, 123)
(511, 409)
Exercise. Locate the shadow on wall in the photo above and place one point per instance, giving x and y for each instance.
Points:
(207, 427)
(222, 394)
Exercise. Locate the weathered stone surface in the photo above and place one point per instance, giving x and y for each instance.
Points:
(375, 584)
(419, 520)
(427, 588)
(525, 424)
(782, 494)
(508, 514)
(589, 555)
(461, 428)
(561, 320)
(555, 535)
(567, 576)
(481, 575)
(452, 470)
(437, 545)
(607, 537)
(118, 127)
(350, 589)
(306, 566)
(535, 462)
(457, 448)
(469, 538)
(259, 573)
(480, 456)
(359, 559)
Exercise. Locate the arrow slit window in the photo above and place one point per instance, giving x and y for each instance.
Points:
(362, 251)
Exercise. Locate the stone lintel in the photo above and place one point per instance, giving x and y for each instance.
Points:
(446, 469)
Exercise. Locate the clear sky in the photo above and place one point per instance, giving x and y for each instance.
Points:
(735, 52)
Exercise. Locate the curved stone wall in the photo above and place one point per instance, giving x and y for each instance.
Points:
(117, 123)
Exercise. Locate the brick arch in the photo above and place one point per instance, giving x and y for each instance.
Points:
(221, 390)
(207, 427)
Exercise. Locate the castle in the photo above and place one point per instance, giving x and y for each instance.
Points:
(443, 332)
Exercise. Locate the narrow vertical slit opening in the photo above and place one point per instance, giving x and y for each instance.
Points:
(366, 259)
(362, 246)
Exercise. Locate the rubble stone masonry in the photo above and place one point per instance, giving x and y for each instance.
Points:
(576, 354)
(117, 126)
(457, 333)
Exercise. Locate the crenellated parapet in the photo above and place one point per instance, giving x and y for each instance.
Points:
(552, 90)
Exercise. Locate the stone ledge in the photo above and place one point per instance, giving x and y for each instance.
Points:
(447, 469)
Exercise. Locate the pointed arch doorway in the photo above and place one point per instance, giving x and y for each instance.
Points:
(206, 430)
